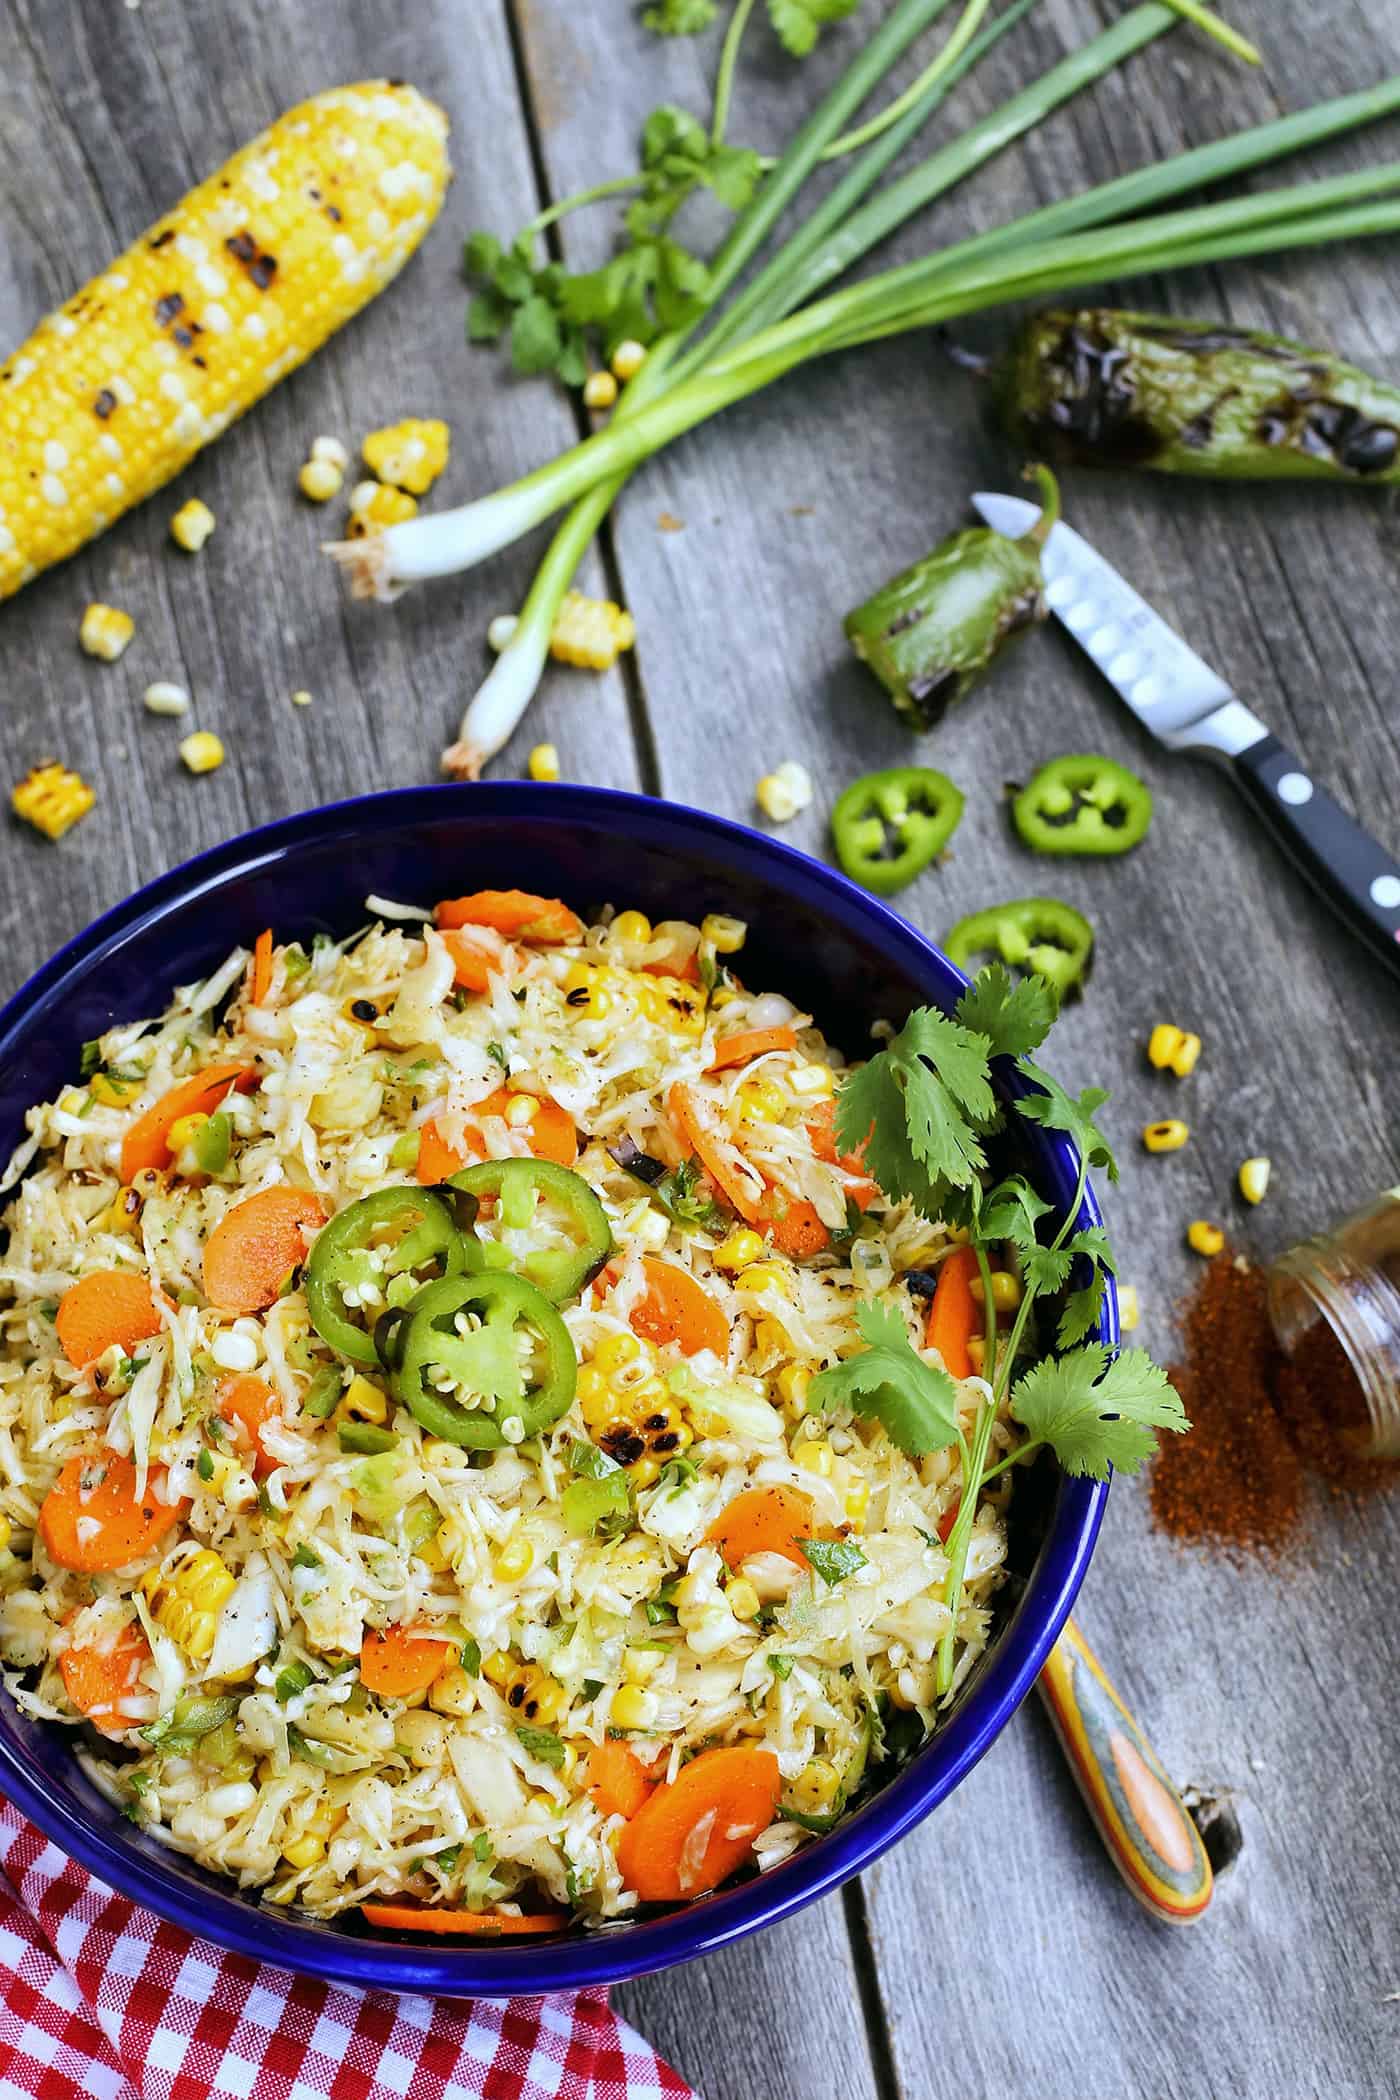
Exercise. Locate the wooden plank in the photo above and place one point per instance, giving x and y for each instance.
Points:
(1010, 1958)
(106, 117)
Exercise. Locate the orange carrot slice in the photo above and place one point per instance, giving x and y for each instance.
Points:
(260, 978)
(683, 964)
(944, 1526)
(695, 1131)
(403, 1660)
(251, 1403)
(476, 951)
(479, 1924)
(550, 1132)
(517, 914)
(749, 1043)
(795, 1225)
(678, 1309)
(688, 1837)
(954, 1315)
(821, 1129)
(99, 1679)
(105, 1307)
(251, 1250)
(616, 1779)
(764, 1520)
(147, 1143)
(436, 1158)
(100, 1490)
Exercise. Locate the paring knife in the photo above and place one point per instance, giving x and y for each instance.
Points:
(1188, 708)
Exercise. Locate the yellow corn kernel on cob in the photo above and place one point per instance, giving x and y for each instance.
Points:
(373, 505)
(52, 799)
(187, 1604)
(410, 454)
(118, 390)
(592, 632)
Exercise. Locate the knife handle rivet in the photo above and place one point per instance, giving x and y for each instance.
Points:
(1078, 617)
(1060, 592)
(1125, 667)
(1295, 789)
(1106, 639)
(1385, 891)
(1145, 692)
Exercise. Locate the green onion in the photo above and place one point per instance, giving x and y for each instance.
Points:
(295, 1678)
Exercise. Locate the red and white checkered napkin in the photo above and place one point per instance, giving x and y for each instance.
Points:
(101, 2000)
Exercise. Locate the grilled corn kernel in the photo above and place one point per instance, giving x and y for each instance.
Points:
(543, 762)
(164, 697)
(501, 633)
(628, 358)
(599, 390)
(452, 1692)
(813, 1082)
(635, 1420)
(1006, 1290)
(615, 1351)
(1128, 1314)
(1172, 1049)
(815, 1455)
(515, 1559)
(187, 1604)
(856, 1498)
(640, 1664)
(633, 1708)
(363, 1401)
(771, 1339)
(630, 929)
(320, 479)
(112, 1091)
(123, 1213)
(760, 1101)
(499, 1668)
(52, 799)
(740, 1248)
(1254, 1179)
(815, 1788)
(725, 935)
(331, 449)
(304, 1852)
(592, 1386)
(202, 751)
(5, 1534)
(1186, 1055)
(765, 1276)
(591, 632)
(520, 1112)
(411, 454)
(784, 792)
(1168, 1136)
(105, 631)
(743, 1599)
(587, 990)
(301, 698)
(191, 525)
(373, 507)
(977, 1351)
(535, 1696)
(1204, 1238)
(793, 1381)
(185, 1129)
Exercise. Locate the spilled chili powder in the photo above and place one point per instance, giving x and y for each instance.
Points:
(1264, 1426)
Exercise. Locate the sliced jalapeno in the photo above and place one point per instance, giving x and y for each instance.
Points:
(512, 1374)
(1036, 934)
(537, 1194)
(888, 826)
(1083, 804)
(394, 1232)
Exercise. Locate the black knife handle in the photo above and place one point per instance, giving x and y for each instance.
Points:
(1345, 865)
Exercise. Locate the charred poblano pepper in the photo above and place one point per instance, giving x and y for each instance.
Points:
(932, 631)
(1103, 389)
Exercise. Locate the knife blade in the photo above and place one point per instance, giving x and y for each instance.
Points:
(1188, 707)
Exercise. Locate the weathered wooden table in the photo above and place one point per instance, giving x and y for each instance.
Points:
(994, 1953)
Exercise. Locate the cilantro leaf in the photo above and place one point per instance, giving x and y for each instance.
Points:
(543, 1744)
(925, 1101)
(798, 23)
(1080, 1313)
(915, 1403)
(832, 1559)
(685, 1201)
(1054, 1109)
(1014, 1017)
(1010, 1211)
(1093, 1413)
(679, 17)
(535, 337)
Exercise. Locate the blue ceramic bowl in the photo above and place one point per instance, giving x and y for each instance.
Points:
(830, 946)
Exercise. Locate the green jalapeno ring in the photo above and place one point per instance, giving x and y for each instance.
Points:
(1033, 934)
(516, 1185)
(1083, 803)
(434, 1239)
(888, 826)
(485, 1359)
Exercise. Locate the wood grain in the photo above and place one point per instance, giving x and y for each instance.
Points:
(1009, 1959)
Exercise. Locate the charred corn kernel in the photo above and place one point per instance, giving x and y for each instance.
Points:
(52, 799)
(725, 935)
(590, 632)
(635, 1420)
(856, 1498)
(320, 479)
(363, 1401)
(764, 1276)
(123, 1213)
(743, 1599)
(373, 507)
(812, 1082)
(816, 1787)
(633, 1708)
(304, 1852)
(615, 1351)
(630, 929)
(191, 525)
(785, 792)
(105, 629)
(1172, 1049)
(1204, 1238)
(588, 990)
(187, 1603)
(793, 1381)
(165, 698)
(628, 358)
(237, 284)
(533, 1695)
(452, 1692)
(499, 1668)
(1254, 1179)
(185, 1129)
(112, 1090)
(1186, 1055)
(515, 1559)
(1128, 1314)
(409, 455)
(1168, 1136)
(760, 1101)
(1006, 1290)
(202, 752)
(592, 1385)
(501, 633)
(815, 1455)
(543, 762)
(599, 390)
(670, 1002)
(742, 1247)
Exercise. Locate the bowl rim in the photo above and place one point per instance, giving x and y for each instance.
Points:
(618, 1952)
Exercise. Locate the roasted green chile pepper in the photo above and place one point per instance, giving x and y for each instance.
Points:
(1038, 934)
(535, 1193)
(394, 1232)
(1083, 804)
(887, 827)
(514, 1394)
(932, 631)
(1103, 389)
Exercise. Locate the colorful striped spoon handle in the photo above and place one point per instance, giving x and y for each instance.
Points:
(1150, 1838)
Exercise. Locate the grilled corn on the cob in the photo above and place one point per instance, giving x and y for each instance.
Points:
(118, 390)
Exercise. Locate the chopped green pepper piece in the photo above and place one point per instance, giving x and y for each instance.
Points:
(189, 1720)
(394, 1232)
(527, 1192)
(211, 1143)
(295, 1678)
(1083, 804)
(888, 826)
(596, 1505)
(322, 1396)
(367, 1438)
(1033, 934)
(516, 1394)
(930, 633)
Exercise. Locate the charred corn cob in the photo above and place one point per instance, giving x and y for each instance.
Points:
(118, 390)
(592, 632)
(187, 1604)
(52, 799)
(628, 1407)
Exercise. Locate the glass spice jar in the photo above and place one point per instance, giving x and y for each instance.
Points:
(1335, 1306)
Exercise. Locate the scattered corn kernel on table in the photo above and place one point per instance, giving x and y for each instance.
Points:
(994, 1952)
